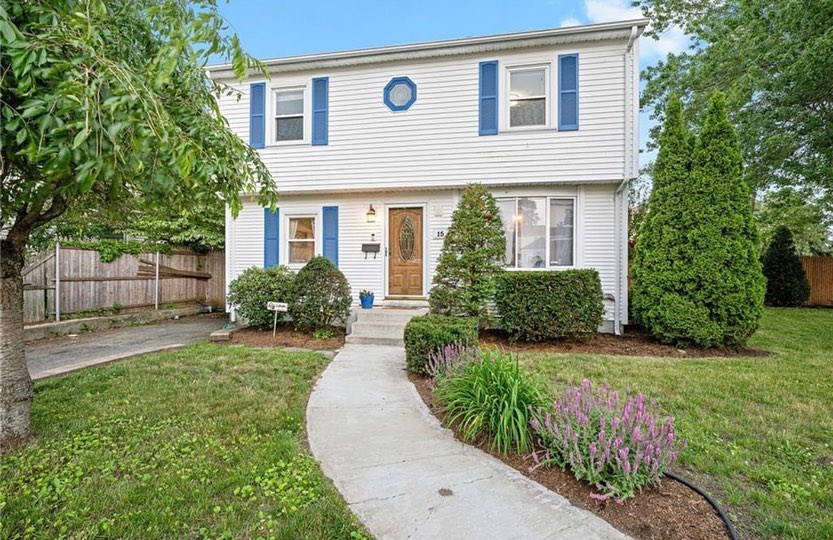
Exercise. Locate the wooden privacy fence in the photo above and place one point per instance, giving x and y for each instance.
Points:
(85, 283)
(820, 274)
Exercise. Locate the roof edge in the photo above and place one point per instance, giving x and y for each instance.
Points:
(444, 47)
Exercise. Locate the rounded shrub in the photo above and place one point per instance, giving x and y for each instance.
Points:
(320, 296)
(250, 291)
(786, 280)
(493, 397)
(429, 333)
(540, 306)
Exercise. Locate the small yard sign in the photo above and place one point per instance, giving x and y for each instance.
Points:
(277, 307)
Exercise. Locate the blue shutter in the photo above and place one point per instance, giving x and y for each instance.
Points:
(320, 110)
(488, 97)
(271, 237)
(330, 230)
(568, 92)
(257, 115)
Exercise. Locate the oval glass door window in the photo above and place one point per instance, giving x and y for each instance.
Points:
(406, 239)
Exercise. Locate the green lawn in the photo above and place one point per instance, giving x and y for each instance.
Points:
(760, 430)
(204, 442)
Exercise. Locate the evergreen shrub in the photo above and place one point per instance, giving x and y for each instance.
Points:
(697, 279)
(250, 291)
(786, 280)
(472, 255)
(541, 306)
(430, 333)
(320, 296)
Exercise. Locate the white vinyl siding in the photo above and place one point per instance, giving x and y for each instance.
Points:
(436, 142)
(363, 271)
(593, 215)
(598, 218)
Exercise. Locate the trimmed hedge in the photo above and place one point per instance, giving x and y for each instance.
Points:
(427, 333)
(540, 306)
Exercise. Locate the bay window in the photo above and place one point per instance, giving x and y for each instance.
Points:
(540, 231)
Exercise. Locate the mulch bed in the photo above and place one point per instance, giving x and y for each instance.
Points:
(634, 342)
(286, 336)
(670, 511)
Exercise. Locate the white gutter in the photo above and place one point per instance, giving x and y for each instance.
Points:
(617, 253)
(628, 173)
(634, 35)
(449, 47)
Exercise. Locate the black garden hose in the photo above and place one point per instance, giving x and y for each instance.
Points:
(729, 527)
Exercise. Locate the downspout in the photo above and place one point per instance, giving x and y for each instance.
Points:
(617, 203)
(617, 253)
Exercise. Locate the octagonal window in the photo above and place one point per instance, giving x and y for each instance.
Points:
(400, 93)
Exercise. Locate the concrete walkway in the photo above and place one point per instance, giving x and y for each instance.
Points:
(405, 476)
(51, 357)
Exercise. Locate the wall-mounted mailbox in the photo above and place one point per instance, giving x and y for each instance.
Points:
(371, 248)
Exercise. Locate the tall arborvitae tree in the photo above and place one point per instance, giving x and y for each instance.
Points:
(786, 280)
(652, 269)
(472, 255)
(709, 290)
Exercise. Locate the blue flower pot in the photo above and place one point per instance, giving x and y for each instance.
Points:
(367, 302)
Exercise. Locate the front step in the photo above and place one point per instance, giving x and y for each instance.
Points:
(381, 326)
(364, 340)
(379, 329)
(384, 315)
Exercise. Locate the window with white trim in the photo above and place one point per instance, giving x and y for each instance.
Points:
(528, 96)
(540, 231)
(289, 115)
(301, 239)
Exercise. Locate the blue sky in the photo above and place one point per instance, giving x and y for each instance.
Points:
(270, 29)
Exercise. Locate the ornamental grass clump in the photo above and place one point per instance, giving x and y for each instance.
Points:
(618, 445)
(491, 396)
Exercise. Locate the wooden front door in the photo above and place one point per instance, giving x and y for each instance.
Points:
(405, 260)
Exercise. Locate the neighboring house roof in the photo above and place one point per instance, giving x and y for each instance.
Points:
(449, 47)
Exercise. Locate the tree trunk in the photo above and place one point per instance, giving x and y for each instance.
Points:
(15, 383)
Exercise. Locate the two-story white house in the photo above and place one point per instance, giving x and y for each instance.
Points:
(370, 149)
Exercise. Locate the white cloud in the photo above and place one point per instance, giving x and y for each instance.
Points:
(570, 21)
(672, 40)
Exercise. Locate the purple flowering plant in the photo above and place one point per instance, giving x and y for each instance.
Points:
(616, 443)
(448, 359)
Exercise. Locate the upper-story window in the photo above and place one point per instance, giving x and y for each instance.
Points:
(289, 115)
(540, 231)
(528, 96)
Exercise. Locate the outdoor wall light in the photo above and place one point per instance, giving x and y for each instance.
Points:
(371, 215)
